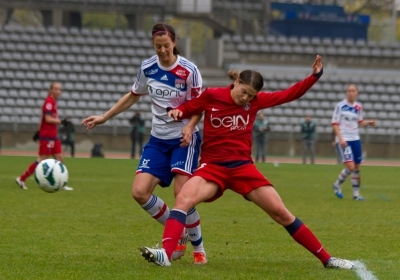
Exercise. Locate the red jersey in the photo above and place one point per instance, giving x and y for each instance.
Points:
(48, 131)
(227, 126)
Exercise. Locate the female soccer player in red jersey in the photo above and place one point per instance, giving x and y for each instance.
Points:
(49, 144)
(226, 161)
(170, 80)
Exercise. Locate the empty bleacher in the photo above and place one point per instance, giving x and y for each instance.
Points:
(96, 67)
(293, 49)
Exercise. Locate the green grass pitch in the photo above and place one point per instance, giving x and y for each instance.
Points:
(94, 231)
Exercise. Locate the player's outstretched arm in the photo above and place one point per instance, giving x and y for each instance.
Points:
(368, 122)
(123, 104)
(294, 92)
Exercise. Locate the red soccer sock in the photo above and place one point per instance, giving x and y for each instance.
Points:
(29, 171)
(308, 240)
(173, 231)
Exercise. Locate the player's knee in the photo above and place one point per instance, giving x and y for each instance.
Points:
(282, 216)
(184, 202)
(350, 168)
(141, 195)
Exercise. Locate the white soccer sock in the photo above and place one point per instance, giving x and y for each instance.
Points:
(341, 178)
(355, 182)
(194, 230)
(157, 208)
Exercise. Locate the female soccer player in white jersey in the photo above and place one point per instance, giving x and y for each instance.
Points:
(346, 119)
(226, 163)
(170, 80)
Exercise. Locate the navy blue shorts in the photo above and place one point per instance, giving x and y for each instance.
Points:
(164, 158)
(352, 152)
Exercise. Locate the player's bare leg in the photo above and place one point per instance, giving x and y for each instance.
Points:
(269, 200)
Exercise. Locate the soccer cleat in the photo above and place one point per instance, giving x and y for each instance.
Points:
(338, 191)
(339, 263)
(180, 248)
(66, 188)
(20, 183)
(200, 258)
(359, 198)
(157, 256)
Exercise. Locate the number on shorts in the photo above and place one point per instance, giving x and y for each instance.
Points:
(347, 150)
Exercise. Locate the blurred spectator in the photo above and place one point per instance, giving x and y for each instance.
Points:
(67, 134)
(260, 133)
(137, 133)
(308, 135)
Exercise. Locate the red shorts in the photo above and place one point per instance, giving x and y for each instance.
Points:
(242, 179)
(50, 147)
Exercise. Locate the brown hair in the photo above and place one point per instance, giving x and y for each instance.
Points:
(352, 85)
(52, 85)
(160, 29)
(248, 77)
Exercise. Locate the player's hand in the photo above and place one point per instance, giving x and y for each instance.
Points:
(372, 122)
(92, 121)
(343, 143)
(187, 132)
(175, 114)
(317, 65)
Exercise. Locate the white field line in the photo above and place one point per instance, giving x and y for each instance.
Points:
(362, 272)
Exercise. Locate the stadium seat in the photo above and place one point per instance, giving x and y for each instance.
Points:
(360, 43)
(304, 41)
(353, 51)
(394, 98)
(364, 51)
(338, 42)
(331, 50)
(375, 52)
(104, 78)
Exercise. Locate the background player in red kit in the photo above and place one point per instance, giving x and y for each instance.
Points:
(226, 161)
(49, 144)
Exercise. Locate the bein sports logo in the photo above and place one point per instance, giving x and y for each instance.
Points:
(236, 122)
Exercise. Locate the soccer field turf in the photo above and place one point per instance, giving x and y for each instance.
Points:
(94, 231)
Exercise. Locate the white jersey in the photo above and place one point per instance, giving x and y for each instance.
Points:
(167, 87)
(347, 117)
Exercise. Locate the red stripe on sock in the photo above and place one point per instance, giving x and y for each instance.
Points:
(308, 240)
(193, 225)
(172, 232)
(162, 211)
(29, 171)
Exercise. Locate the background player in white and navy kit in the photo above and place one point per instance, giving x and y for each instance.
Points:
(346, 119)
(173, 149)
